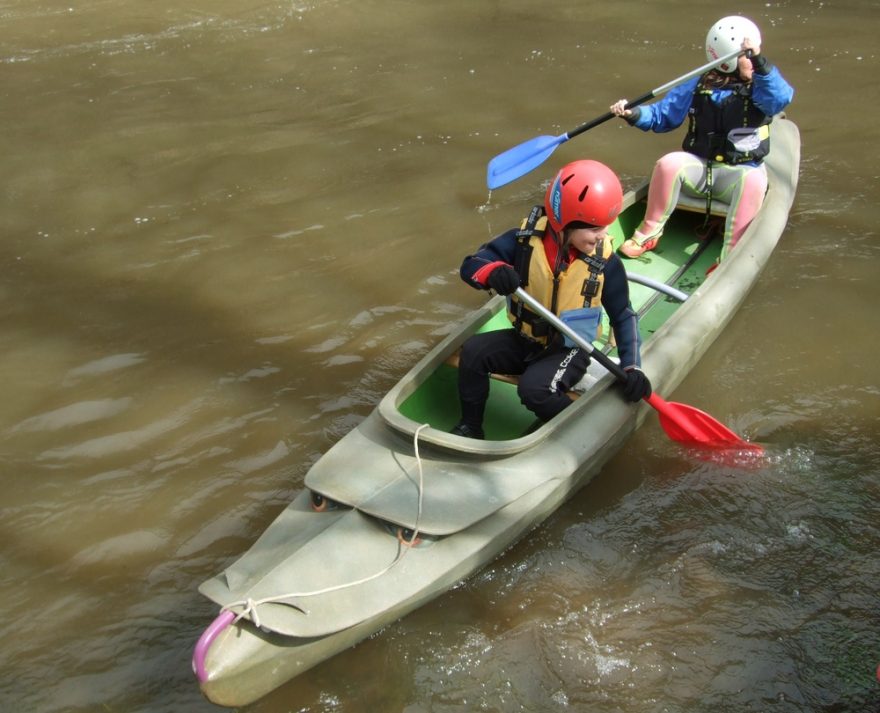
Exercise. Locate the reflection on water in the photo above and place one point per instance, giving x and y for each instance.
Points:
(230, 227)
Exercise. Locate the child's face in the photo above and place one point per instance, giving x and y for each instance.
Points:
(585, 239)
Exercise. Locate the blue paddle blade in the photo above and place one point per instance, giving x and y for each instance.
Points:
(519, 160)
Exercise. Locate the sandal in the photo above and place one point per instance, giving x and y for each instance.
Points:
(634, 248)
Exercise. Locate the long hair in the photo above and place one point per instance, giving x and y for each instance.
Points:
(713, 79)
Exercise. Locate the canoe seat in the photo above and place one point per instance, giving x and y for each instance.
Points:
(506, 378)
(698, 205)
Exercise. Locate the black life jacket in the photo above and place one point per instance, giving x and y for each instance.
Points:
(734, 131)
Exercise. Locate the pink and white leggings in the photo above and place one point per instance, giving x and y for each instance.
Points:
(741, 187)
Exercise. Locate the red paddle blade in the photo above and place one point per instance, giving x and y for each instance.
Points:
(691, 426)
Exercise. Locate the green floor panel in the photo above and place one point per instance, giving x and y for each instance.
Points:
(499, 321)
(436, 402)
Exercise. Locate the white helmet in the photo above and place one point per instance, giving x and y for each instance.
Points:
(727, 36)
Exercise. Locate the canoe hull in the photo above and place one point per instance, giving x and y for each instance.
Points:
(407, 474)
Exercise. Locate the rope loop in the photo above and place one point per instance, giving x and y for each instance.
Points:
(249, 605)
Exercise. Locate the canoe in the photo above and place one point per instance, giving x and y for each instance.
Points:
(399, 510)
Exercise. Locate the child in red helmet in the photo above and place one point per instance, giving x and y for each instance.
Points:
(561, 257)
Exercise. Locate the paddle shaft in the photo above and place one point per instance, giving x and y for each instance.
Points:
(599, 356)
(655, 400)
(525, 157)
(654, 93)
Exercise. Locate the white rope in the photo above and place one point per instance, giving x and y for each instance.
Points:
(250, 605)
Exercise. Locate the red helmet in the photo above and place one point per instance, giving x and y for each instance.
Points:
(586, 192)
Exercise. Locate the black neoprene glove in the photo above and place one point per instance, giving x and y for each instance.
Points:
(634, 117)
(503, 279)
(760, 64)
(637, 386)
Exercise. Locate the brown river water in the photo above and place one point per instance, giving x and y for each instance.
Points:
(228, 227)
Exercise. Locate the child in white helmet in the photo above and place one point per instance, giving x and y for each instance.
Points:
(729, 110)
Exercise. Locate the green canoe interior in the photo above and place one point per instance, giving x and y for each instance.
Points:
(435, 401)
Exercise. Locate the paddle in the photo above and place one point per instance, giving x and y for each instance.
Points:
(518, 161)
(681, 422)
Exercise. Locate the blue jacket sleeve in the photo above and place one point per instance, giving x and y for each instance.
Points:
(770, 92)
(624, 320)
(670, 112)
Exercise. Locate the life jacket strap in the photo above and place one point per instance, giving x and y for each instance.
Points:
(596, 265)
